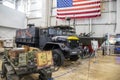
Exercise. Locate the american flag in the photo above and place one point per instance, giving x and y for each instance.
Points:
(78, 8)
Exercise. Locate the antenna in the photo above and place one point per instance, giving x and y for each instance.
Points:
(68, 19)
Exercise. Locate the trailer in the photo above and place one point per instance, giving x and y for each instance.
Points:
(18, 62)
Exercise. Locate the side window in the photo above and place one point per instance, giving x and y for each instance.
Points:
(43, 32)
(52, 31)
(59, 32)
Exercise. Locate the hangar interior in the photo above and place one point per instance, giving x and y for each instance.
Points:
(98, 54)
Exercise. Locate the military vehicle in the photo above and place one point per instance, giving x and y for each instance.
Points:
(87, 46)
(18, 62)
(117, 44)
(60, 39)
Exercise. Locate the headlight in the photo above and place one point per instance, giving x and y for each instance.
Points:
(69, 41)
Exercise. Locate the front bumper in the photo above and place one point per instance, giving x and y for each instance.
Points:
(75, 52)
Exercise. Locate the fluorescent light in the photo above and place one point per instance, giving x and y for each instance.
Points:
(8, 4)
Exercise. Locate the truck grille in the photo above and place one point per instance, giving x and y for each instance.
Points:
(73, 43)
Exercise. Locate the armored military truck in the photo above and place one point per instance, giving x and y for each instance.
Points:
(60, 39)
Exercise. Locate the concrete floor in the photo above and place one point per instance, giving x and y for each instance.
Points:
(101, 68)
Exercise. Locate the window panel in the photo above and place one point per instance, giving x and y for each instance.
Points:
(54, 3)
(54, 13)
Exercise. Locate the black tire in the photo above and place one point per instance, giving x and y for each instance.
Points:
(58, 57)
(85, 54)
(74, 58)
(44, 75)
(12, 77)
(6, 75)
(3, 74)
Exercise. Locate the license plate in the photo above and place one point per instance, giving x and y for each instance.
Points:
(74, 52)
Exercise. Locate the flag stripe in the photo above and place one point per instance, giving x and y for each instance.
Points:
(92, 16)
(91, 3)
(79, 12)
(80, 9)
(79, 0)
(88, 1)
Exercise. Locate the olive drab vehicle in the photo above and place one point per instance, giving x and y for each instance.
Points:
(60, 39)
(18, 62)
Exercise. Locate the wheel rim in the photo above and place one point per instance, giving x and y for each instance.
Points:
(56, 59)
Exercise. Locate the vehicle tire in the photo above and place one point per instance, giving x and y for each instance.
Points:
(85, 54)
(44, 75)
(15, 77)
(58, 57)
(74, 58)
(82, 56)
(3, 74)
(12, 77)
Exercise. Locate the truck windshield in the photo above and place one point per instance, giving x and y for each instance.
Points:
(68, 33)
(73, 43)
(60, 32)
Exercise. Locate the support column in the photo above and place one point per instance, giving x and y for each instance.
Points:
(118, 17)
(90, 25)
(48, 12)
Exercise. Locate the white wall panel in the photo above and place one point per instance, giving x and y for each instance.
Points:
(35, 14)
(105, 6)
(11, 18)
(7, 32)
(35, 6)
(53, 21)
(82, 29)
(101, 30)
(118, 17)
(82, 21)
(64, 22)
(37, 22)
(39, 18)
(54, 12)
(54, 3)
(105, 18)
